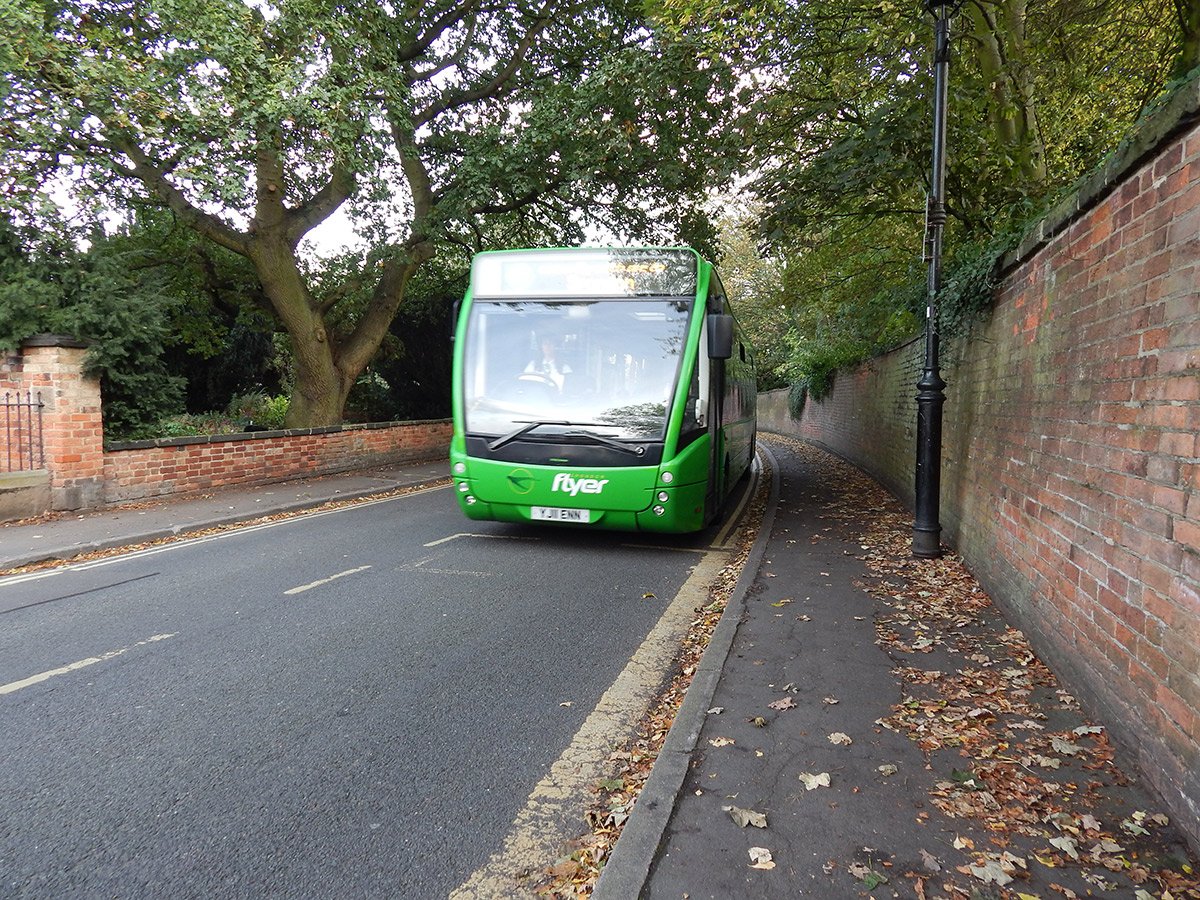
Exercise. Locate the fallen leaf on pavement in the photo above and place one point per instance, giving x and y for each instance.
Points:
(721, 741)
(785, 703)
(760, 858)
(1061, 746)
(812, 782)
(990, 872)
(1046, 762)
(840, 739)
(887, 769)
(1066, 845)
(744, 817)
(867, 875)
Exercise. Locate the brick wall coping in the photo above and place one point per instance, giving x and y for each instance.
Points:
(263, 435)
(1178, 113)
(55, 340)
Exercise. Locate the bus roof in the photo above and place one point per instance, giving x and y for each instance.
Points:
(586, 272)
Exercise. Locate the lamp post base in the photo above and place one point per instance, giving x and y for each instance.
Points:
(926, 544)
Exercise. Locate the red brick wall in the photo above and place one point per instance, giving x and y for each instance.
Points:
(1071, 452)
(157, 468)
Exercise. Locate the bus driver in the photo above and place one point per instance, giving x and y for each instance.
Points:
(549, 366)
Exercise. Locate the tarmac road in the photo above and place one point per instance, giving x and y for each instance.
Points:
(354, 703)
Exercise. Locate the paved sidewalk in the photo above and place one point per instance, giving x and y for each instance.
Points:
(890, 731)
(65, 535)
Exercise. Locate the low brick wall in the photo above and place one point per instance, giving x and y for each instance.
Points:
(142, 469)
(1071, 448)
(77, 472)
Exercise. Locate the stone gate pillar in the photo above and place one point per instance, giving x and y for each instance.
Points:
(72, 428)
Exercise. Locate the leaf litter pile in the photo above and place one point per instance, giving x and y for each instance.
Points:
(576, 873)
(1039, 802)
(1009, 752)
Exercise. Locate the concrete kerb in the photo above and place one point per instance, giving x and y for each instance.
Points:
(628, 867)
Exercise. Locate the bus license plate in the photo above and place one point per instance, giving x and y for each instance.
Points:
(558, 514)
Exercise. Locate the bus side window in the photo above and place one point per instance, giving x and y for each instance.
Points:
(693, 425)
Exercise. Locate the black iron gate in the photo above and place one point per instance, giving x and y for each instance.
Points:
(23, 449)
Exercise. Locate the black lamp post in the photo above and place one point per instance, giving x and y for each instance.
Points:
(931, 395)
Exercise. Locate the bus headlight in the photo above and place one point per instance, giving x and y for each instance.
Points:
(463, 487)
(460, 468)
(663, 496)
(659, 511)
(667, 477)
(470, 500)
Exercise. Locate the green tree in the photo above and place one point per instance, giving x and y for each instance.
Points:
(254, 123)
(840, 126)
(1188, 57)
(754, 283)
(105, 296)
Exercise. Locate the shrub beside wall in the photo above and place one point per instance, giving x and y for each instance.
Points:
(1071, 449)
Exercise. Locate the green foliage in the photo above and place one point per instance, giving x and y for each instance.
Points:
(972, 274)
(754, 284)
(840, 129)
(253, 411)
(797, 397)
(100, 296)
(261, 410)
(194, 425)
(433, 126)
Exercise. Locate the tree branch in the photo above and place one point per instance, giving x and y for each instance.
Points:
(155, 180)
(462, 98)
(336, 191)
(422, 44)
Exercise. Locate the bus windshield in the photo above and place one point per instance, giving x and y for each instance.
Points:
(552, 368)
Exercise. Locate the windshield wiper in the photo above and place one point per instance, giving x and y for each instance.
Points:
(608, 442)
(525, 428)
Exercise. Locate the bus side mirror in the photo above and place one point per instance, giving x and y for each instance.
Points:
(720, 336)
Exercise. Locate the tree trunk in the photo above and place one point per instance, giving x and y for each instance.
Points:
(326, 366)
(320, 390)
(999, 30)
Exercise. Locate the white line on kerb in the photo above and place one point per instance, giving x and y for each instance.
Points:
(14, 686)
(321, 581)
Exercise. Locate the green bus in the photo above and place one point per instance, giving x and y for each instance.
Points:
(599, 387)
